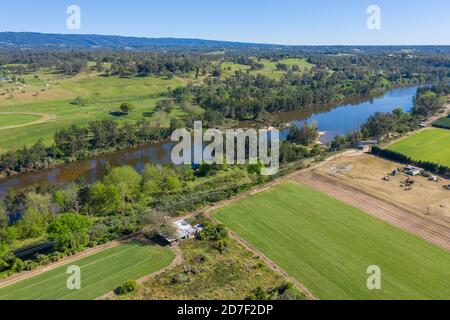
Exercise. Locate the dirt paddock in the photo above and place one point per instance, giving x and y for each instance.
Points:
(365, 172)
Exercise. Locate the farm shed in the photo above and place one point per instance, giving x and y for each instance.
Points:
(183, 231)
(366, 145)
(413, 171)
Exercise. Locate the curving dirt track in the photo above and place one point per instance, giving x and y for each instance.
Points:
(390, 213)
(44, 118)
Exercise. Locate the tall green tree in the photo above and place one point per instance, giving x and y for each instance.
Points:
(70, 231)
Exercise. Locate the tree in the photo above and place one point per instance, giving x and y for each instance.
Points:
(99, 66)
(126, 107)
(305, 135)
(42, 203)
(4, 221)
(127, 180)
(428, 103)
(102, 199)
(33, 224)
(258, 294)
(379, 125)
(127, 287)
(70, 231)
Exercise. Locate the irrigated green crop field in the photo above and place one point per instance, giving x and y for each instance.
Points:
(428, 145)
(328, 246)
(100, 274)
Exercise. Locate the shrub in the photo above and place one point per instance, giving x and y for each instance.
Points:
(213, 232)
(127, 287)
(126, 107)
(222, 245)
(79, 101)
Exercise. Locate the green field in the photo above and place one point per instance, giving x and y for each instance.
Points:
(52, 94)
(269, 70)
(443, 123)
(431, 145)
(7, 120)
(100, 274)
(328, 246)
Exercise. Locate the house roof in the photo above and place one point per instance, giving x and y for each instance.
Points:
(183, 230)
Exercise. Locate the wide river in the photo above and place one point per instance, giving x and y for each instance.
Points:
(333, 120)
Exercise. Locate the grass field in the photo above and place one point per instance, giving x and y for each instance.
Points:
(443, 123)
(328, 246)
(428, 145)
(269, 70)
(7, 120)
(51, 94)
(100, 274)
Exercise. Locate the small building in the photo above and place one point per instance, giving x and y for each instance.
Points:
(366, 145)
(413, 171)
(183, 231)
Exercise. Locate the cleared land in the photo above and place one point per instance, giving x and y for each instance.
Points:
(328, 246)
(378, 208)
(100, 273)
(270, 67)
(365, 172)
(431, 145)
(53, 95)
(207, 274)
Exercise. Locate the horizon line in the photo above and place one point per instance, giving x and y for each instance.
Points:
(228, 41)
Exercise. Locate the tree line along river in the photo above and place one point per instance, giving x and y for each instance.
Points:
(331, 119)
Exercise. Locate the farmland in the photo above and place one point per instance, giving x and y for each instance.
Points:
(428, 145)
(269, 69)
(207, 274)
(328, 246)
(100, 274)
(49, 94)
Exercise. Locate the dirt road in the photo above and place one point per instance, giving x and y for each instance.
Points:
(390, 213)
(44, 118)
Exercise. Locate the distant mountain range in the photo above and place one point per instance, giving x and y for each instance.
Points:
(41, 40)
(90, 41)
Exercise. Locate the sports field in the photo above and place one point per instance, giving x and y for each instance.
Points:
(100, 274)
(328, 246)
(428, 145)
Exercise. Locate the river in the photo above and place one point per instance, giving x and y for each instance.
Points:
(333, 120)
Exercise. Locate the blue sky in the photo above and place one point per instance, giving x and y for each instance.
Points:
(267, 21)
